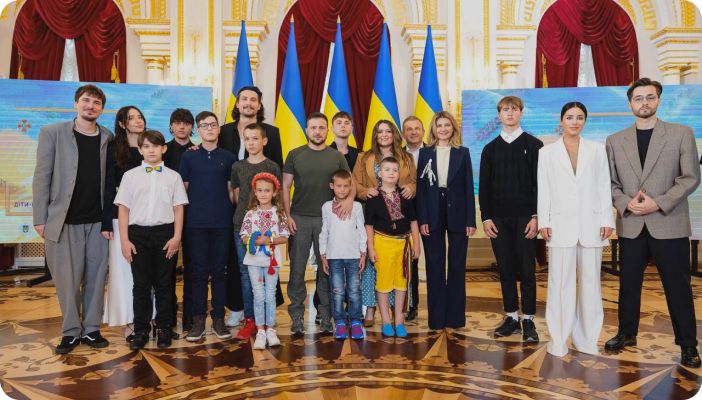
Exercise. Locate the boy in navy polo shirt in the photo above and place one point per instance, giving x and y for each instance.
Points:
(208, 224)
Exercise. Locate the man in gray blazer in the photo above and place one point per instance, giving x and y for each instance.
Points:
(68, 188)
(654, 168)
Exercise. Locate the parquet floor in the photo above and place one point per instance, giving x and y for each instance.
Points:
(462, 364)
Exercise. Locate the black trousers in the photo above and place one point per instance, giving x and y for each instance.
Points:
(187, 315)
(446, 290)
(152, 270)
(673, 265)
(235, 300)
(515, 256)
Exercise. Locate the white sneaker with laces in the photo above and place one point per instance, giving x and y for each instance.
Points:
(234, 319)
(272, 337)
(260, 342)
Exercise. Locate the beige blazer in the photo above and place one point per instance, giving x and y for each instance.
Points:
(574, 205)
(364, 174)
(55, 175)
(670, 174)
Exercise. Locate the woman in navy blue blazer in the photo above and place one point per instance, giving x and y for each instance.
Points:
(445, 208)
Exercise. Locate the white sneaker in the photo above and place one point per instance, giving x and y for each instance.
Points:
(234, 319)
(260, 342)
(272, 338)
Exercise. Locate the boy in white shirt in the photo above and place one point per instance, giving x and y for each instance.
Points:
(151, 199)
(342, 245)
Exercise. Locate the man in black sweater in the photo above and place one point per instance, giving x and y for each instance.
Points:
(507, 198)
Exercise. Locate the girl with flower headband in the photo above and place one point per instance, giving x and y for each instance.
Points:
(264, 229)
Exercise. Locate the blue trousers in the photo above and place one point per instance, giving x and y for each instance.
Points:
(344, 283)
(209, 254)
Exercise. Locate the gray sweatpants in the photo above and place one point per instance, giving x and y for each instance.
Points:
(308, 229)
(78, 265)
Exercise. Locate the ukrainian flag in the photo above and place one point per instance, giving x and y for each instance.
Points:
(384, 101)
(242, 72)
(428, 96)
(290, 114)
(338, 93)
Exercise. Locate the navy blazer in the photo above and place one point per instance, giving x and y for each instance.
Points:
(459, 190)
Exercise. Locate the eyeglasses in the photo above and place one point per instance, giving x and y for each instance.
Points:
(205, 125)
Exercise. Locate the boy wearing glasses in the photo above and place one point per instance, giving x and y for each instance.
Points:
(208, 224)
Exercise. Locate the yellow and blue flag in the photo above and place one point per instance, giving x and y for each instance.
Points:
(428, 96)
(290, 114)
(338, 93)
(242, 71)
(384, 101)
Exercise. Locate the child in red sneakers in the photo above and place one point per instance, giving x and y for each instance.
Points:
(263, 230)
(342, 245)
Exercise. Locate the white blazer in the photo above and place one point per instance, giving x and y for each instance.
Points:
(574, 206)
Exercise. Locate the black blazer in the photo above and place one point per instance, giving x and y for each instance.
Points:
(459, 190)
(229, 139)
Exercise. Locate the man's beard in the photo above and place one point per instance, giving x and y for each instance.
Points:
(650, 112)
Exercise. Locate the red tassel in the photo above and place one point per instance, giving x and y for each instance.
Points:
(274, 262)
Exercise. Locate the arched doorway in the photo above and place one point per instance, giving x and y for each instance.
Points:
(315, 27)
(601, 24)
(40, 34)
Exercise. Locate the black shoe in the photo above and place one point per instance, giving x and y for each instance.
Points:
(411, 314)
(689, 357)
(174, 334)
(509, 326)
(67, 344)
(95, 340)
(529, 334)
(139, 340)
(298, 334)
(620, 341)
(163, 338)
(318, 320)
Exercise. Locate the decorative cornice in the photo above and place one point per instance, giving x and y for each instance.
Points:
(148, 21)
(507, 27)
(415, 35)
(675, 30)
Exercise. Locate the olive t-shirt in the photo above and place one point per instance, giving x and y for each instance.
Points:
(312, 170)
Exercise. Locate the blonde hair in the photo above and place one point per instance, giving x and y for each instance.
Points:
(455, 140)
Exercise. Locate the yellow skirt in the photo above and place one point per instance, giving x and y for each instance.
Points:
(391, 268)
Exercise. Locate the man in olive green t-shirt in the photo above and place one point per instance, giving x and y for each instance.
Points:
(310, 168)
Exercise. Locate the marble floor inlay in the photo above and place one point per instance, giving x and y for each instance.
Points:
(455, 364)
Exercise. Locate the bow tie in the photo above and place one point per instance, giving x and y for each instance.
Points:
(157, 169)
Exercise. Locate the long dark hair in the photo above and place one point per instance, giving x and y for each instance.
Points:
(397, 150)
(260, 115)
(120, 142)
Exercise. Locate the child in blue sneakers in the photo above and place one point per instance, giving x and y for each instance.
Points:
(342, 245)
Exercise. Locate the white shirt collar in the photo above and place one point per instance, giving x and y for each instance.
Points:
(511, 137)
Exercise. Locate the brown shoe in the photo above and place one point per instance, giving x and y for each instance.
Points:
(368, 322)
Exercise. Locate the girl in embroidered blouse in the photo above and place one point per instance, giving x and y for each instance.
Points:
(263, 230)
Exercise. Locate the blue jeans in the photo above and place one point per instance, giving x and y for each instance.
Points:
(263, 285)
(344, 282)
(246, 291)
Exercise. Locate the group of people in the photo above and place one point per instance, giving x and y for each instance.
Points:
(365, 216)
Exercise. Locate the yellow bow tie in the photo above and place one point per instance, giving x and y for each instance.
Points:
(157, 169)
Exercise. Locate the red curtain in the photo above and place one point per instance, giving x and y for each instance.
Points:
(315, 27)
(43, 26)
(601, 24)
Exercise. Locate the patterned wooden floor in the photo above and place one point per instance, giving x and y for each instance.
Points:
(462, 364)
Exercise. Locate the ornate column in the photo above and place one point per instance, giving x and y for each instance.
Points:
(678, 53)
(415, 35)
(155, 38)
(509, 51)
(256, 32)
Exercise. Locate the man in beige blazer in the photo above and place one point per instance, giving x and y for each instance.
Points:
(654, 168)
(68, 188)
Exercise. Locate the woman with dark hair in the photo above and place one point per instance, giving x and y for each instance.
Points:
(445, 209)
(122, 155)
(386, 142)
(576, 218)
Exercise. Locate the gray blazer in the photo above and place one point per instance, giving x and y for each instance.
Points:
(671, 173)
(55, 175)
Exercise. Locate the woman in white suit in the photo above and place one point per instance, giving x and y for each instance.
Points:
(575, 218)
